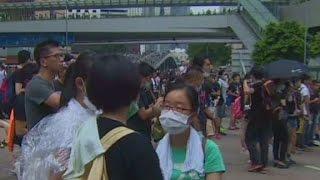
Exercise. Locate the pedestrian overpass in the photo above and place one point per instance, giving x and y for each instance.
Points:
(246, 25)
(98, 4)
(222, 28)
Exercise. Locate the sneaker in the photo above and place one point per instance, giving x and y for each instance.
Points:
(291, 162)
(255, 168)
(3, 144)
(232, 128)
(316, 143)
(217, 136)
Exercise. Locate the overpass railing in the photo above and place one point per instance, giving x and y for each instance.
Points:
(85, 4)
(256, 15)
(46, 15)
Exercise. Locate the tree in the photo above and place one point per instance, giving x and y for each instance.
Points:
(280, 40)
(315, 46)
(208, 12)
(224, 10)
(220, 54)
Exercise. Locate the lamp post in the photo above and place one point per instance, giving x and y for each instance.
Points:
(66, 19)
(306, 34)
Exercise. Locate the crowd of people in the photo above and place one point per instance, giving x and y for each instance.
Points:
(101, 116)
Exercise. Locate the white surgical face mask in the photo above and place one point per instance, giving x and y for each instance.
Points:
(206, 74)
(89, 104)
(174, 122)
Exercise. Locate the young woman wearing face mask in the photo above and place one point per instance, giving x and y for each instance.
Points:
(46, 148)
(182, 152)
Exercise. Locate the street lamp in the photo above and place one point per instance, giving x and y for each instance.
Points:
(66, 19)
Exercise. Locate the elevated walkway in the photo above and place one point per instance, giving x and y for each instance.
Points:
(208, 27)
(98, 4)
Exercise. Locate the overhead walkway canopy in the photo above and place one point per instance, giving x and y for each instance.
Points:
(85, 4)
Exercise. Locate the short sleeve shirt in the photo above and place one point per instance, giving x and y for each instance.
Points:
(213, 162)
(135, 122)
(37, 92)
(130, 158)
(305, 92)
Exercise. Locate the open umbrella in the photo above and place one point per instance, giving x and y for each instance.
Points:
(285, 69)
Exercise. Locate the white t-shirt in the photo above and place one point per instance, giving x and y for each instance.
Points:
(304, 91)
(2, 76)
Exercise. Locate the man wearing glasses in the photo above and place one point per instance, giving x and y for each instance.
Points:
(41, 98)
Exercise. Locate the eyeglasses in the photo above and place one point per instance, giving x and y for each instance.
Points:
(178, 109)
(59, 55)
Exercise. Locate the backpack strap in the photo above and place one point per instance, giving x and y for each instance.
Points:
(114, 135)
(98, 169)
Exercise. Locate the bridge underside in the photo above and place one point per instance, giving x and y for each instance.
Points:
(223, 27)
(74, 4)
(222, 34)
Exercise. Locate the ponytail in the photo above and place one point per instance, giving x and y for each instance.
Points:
(69, 90)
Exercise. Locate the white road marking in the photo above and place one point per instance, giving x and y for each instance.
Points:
(313, 167)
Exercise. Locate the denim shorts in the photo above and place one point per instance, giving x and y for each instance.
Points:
(293, 122)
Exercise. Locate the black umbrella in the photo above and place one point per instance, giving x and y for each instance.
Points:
(285, 69)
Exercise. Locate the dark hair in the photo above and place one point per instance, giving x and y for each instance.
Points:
(198, 61)
(234, 75)
(29, 70)
(43, 49)
(257, 72)
(68, 57)
(305, 77)
(113, 82)
(145, 69)
(23, 56)
(191, 93)
(220, 73)
(80, 68)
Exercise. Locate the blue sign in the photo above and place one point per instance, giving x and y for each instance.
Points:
(32, 39)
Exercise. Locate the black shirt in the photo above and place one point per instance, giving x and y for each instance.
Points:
(132, 157)
(259, 116)
(58, 86)
(138, 124)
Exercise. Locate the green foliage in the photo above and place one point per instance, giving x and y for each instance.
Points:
(315, 45)
(208, 12)
(280, 40)
(219, 53)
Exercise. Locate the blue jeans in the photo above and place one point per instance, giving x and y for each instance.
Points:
(312, 128)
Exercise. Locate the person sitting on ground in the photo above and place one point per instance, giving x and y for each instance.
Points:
(183, 153)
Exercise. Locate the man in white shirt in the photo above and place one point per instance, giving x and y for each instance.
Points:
(2, 73)
(305, 119)
(224, 84)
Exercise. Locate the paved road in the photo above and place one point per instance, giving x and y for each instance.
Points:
(308, 167)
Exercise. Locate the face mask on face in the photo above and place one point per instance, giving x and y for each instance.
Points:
(148, 85)
(206, 74)
(86, 100)
(174, 122)
(198, 89)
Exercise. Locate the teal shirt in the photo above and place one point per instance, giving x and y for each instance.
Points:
(213, 162)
